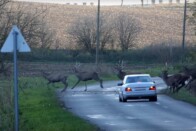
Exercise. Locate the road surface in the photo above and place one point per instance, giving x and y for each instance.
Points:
(101, 107)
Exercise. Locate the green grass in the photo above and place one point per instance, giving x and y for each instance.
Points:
(40, 109)
(6, 105)
(184, 95)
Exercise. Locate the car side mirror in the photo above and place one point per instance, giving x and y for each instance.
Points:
(120, 84)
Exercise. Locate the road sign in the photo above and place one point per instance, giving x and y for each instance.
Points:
(15, 42)
(22, 45)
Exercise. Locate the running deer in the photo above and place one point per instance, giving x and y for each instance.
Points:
(85, 76)
(175, 82)
(56, 77)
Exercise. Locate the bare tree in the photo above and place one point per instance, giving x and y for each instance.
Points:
(85, 76)
(127, 28)
(3, 3)
(30, 21)
(83, 31)
(192, 18)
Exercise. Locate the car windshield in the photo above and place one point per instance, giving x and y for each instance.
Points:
(134, 79)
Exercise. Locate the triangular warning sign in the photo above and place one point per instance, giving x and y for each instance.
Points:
(22, 45)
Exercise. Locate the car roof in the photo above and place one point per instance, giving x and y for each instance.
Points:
(137, 75)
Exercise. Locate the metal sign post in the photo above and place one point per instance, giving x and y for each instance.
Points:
(15, 42)
(15, 82)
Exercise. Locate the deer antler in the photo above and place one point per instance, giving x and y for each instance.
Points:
(120, 65)
(75, 67)
(77, 64)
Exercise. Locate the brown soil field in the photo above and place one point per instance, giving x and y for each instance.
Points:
(160, 24)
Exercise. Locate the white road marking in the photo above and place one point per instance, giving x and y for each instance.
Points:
(130, 105)
(111, 124)
(131, 118)
(157, 103)
(98, 116)
(168, 121)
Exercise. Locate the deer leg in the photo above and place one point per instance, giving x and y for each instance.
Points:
(189, 84)
(101, 83)
(64, 89)
(178, 88)
(174, 89)
(189, 87)
(85, 87)
(75, 84)
(182, 85)
(169, 89)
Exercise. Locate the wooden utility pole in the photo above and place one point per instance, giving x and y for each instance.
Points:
(184, 31)
(98, 41)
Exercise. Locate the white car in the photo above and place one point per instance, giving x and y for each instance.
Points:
(137, 86)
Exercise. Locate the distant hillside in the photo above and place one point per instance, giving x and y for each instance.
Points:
(160, 24)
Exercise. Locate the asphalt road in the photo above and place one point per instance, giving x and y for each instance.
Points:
(101, 107)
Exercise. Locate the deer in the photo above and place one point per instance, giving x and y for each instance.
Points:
(191, 73)
(176, 81)
(119, 68)
(120, 72)
(182, 81)
(192, 85)
(85, 76)
(56, 77)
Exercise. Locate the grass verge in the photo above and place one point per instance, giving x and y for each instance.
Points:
(184, 95)
(40, 110)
